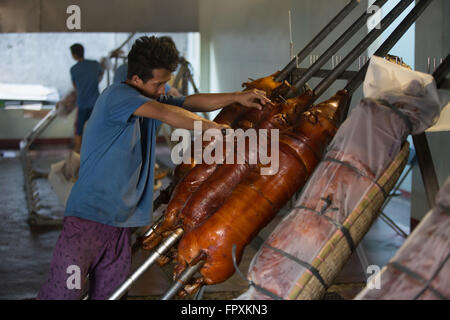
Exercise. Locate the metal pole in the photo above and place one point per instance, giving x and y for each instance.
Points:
(318, 39)
(338, 44)
(38, 129)
(442, 71)
(390, 42)
(153, 227)
(393, 225)
(162, 248)
(361, 253)
(399, 183)
(125, 42)
(426, 166)
(423, 152)
(136, 246)
(180, 282)
(24, 146)
(361, 47)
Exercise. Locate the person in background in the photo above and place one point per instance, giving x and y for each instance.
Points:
(86, 75)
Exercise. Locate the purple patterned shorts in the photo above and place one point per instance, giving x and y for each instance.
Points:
(84, 248)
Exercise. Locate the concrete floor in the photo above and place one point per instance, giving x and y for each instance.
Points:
(26, 252)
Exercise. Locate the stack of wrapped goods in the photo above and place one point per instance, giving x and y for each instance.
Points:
(420, 270)
(307, 250)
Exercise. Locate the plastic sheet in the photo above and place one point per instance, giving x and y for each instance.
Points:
(364, 146)
(424, 255)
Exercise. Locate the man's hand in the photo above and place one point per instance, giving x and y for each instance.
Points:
(205, 102)
(253, 98)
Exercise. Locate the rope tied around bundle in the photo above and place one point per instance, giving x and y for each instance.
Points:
(326, 208)
(397, 111)
(250, 282)
(359, 172)
(418, 277)
(266, 292)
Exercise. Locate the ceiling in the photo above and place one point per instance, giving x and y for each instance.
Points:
(99, 15)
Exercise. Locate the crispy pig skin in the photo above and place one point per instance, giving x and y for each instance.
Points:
(218, 187)
(188, 177)
(257, 198)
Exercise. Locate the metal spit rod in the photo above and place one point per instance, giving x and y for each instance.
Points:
(390, 42)
(162, 248)
(181, 281)
(137, 245)
(153, 227)
(338, 44)
(318, 39)
(359, 49)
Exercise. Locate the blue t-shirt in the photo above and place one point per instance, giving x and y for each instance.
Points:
(115, 184)
(121, 72)
(85, 75)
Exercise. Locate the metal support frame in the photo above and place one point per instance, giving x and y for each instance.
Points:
(184, 77)
(317, 40)
(361, 47)
(389, 43)
(32, 195)
(339, 43)
(423, 152)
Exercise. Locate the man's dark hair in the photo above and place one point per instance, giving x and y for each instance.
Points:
(77, 50)
(150, 53)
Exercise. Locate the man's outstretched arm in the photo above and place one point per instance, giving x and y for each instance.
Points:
(204, 102)
(175, 116)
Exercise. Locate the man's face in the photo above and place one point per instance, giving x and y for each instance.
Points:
(75, 57)
(155, 86)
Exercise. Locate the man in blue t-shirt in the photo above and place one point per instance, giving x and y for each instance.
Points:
(114, 191)
(86, 75)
